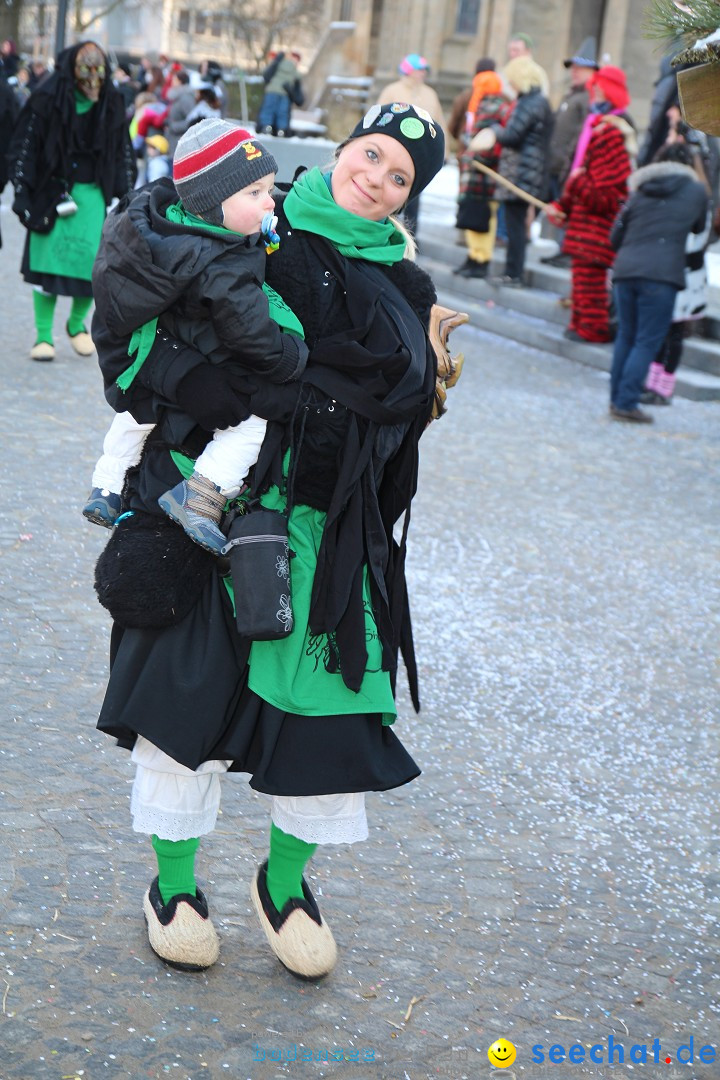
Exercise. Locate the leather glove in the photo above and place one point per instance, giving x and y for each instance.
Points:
(207, 396)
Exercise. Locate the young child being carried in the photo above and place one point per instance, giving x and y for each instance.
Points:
(195, 267)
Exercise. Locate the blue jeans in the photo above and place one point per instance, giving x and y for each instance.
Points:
(644, 310)
(274, 113)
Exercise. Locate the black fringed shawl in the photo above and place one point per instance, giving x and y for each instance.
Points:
(383, 369)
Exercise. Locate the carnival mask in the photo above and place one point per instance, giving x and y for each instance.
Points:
(90, 71)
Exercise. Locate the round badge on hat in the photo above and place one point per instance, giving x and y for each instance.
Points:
(412, 128)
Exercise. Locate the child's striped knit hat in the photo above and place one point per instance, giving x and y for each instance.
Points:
(213, 160)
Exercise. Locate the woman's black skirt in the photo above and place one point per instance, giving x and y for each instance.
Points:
(184, 688)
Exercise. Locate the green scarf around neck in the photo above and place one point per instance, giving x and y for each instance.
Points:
(82, 104)
(309, 205)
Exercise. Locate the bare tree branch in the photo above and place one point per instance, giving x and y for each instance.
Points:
(260, 24)
(81, 24)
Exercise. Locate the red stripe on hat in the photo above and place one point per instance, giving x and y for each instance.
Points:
(207, 155)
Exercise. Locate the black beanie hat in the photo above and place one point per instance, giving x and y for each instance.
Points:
(415, 129)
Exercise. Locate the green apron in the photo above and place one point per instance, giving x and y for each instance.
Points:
(70, 248)
(290, 673)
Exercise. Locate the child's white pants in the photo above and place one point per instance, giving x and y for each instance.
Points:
(228, 457)
(122, 448)
(175, 803)
(226, 460)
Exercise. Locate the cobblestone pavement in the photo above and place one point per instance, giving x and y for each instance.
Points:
(552, 878)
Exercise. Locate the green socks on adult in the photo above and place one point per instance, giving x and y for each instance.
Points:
(286, 862)
(44, 305)
(176, 866)
(80, 307)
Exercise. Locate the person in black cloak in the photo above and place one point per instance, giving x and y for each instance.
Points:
(70, 155)
(8, 115)
(309, 715)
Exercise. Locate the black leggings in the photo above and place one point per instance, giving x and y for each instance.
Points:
(515, 219)
(671, 350)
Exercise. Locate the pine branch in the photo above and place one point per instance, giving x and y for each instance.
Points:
(685, 21)
(681, 24)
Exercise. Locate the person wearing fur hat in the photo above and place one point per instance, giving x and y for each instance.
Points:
(591, 198)
(412, 87)
(203, 282)
(309, 716)
(667, 202)
(524, 141)
(70, 155)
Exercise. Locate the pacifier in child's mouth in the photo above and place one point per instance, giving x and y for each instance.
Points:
(267, 228)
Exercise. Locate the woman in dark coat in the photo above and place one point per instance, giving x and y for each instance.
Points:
(667, 202)
(525, 141)
(309, 716)
(69, 157)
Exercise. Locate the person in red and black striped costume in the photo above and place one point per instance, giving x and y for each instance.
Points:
(591, 199)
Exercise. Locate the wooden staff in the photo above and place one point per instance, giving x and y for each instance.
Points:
(525, 195)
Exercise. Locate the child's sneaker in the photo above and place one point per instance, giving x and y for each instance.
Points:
(103, 507)
(191, 503)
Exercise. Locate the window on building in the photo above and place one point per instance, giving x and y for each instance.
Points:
(183, 23)
(376, 18)
(466, 21)
(345, 10)
(131, 21)
(200, 22)
(216, 26)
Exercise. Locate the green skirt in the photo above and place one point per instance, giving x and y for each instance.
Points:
(293, 673)
(69, 249)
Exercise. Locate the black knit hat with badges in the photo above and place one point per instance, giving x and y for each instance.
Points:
(416, 130)
(212, 161)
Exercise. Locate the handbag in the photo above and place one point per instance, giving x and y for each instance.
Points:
(260, 556)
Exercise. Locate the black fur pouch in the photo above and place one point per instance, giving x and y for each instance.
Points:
(151, 574)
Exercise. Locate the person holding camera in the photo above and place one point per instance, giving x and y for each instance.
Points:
(70, 155)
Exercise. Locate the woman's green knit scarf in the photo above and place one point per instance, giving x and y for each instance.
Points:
(309, 205)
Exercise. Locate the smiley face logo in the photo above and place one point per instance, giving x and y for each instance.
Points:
(501, 1054)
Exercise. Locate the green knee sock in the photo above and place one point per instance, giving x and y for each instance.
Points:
(176, 866)
(80, 307)
(44, 305)
(286, 862)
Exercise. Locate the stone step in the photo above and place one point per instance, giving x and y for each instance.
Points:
(510, 313)
(541, 301)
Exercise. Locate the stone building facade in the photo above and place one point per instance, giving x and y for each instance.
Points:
(452, 34)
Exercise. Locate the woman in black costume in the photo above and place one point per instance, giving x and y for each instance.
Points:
(309, 716)
(70, 155)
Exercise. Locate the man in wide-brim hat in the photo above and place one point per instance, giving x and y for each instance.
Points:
(569, 120)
